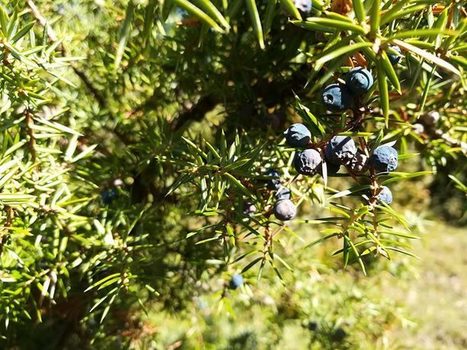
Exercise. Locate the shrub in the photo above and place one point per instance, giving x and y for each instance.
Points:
(133, 133)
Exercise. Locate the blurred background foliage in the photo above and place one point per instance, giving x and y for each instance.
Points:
(133, 132)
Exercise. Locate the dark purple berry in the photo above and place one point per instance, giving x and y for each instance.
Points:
(109, 195)
(285, 210)
(307, 162)
(430, 119)
(312, 326)
(385, 195)
(384, 159)
(359, 81)
(283, 193)
(274, 182)
(236, 281)
(297, 135)
(395, 58)
(336, 98)
(339, 335)
(249, 208)
(418, 128)
(303, 5)
(340, 149)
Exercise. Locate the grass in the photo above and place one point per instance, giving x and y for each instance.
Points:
(404, 304)
(436, 299)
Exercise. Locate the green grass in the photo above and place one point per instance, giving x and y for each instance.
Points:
(436, 299)
(404, 304)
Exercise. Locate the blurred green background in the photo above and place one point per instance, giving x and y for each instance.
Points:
(405, 304)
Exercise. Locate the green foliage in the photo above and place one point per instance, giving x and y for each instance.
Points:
(176, 109)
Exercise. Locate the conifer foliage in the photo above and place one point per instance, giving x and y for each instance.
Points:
(150, 145)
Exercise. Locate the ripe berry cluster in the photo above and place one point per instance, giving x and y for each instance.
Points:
(284, 209)
(326, 158)
(339, 97)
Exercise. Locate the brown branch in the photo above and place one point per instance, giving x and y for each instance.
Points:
(196, 113)
(374, 186)
(101, 100)
(29, 129)
(42, 20)
(94, 91)
(147, 104)
(8, 222)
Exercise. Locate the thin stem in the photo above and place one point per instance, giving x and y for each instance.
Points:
(29, 129)
(8, 222)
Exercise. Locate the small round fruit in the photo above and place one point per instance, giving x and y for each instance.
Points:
(285, 210)
(339, 335)
(339, 149)
(236, 281)
(359, 81)
(249, 209)
(384, 159)
(336, 98)
(109, 195)
(430, 119)
(395, 58)
(418, 128)
(303, 5)
(312, 325)
(283, 193)
(385, 195)
(307, 162)
(297, 135)
(274, 183)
